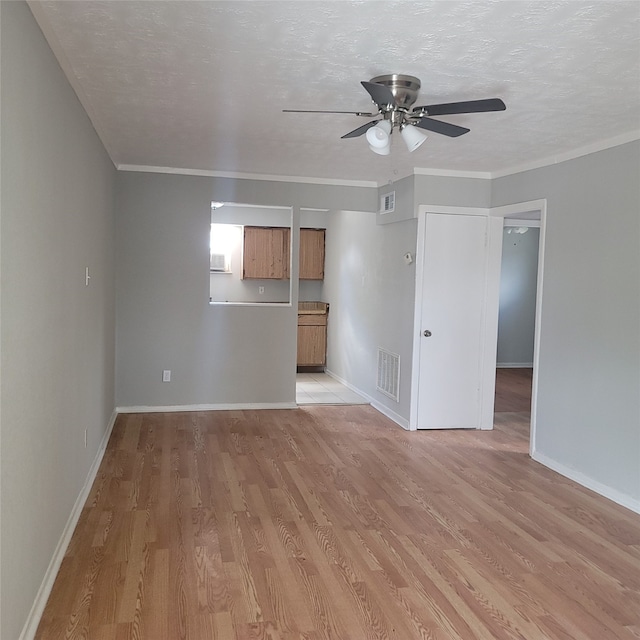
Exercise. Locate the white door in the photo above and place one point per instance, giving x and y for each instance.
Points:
(451, 340)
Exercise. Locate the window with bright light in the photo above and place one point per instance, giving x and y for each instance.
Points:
(224, 242)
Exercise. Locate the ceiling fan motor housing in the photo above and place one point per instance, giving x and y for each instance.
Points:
(404, 89)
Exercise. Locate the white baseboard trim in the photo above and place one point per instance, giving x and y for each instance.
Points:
(33, 619)
(392, 415)
(514, 365)
(207, 407)
(584, 480)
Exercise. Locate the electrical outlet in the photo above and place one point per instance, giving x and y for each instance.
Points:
(166, 375)
(260, 290)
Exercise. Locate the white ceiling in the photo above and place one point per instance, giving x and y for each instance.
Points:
(201, 85)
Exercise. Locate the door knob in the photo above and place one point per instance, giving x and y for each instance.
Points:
(426, 333)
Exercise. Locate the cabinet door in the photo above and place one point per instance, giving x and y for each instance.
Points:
(266, 253)
(312, 254)
(312, 345)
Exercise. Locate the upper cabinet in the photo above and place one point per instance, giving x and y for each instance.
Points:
(266, 253)
(312, 254)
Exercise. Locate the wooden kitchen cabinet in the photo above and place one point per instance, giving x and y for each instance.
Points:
(266, 253)
(312, 334)
(312, 254)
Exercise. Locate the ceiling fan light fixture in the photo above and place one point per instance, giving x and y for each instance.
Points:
(378, 136)
(412, 137)
(382, 151)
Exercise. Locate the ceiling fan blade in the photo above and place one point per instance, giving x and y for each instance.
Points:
(470, 106)
(360, 130)
(353, 113)
(437, 126)
(379, 93)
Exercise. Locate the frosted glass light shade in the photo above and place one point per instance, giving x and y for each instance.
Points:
(378, 136)
(383, 151)
(412, 137)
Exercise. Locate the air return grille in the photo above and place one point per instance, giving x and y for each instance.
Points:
(388, 202)
(389, 374)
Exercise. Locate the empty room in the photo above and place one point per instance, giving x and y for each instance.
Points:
(320, 320)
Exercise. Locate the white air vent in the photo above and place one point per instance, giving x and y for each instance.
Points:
(218, 262)
(389, 374)
(388, 202)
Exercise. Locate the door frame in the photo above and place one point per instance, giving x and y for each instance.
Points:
(489, 326)
(522, 210)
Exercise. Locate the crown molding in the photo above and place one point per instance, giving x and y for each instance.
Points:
(246, 176)
(452, 173)
(602, 145)
(417, 171)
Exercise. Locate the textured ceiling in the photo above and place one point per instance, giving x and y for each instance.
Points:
(201, 85)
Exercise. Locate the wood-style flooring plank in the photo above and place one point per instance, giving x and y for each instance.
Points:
(332, 523)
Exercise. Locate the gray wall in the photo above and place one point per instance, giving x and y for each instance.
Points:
(218, 354)
(370, 290)
(589, 371)
(57, 336)
(518, 280)
(454, 192)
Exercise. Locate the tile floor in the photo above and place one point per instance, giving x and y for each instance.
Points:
(319, 388)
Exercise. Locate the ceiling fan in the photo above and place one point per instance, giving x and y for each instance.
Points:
(394, 95)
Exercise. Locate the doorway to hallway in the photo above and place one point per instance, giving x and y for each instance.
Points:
(513, 390)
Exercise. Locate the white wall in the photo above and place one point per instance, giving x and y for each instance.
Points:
(588, 413)
(57, 335)
(518, 280)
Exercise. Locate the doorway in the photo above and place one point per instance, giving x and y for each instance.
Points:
(517, 378)
(531, 211)
(517, 314)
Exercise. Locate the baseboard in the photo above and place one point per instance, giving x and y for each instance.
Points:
(389, 413)
(514, 365)
(584, 480)
(207, 407)
(33, 619)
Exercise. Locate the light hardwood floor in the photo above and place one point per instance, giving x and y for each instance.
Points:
(332, 522)
(513, 389)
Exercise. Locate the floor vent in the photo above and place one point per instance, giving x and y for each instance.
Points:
(389, 374)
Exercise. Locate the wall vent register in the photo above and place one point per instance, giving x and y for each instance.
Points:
(389, 374)
(388, 202)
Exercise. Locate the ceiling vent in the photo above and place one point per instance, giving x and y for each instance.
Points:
(388, 202)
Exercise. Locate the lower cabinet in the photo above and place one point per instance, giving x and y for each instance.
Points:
(312, 340)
